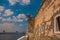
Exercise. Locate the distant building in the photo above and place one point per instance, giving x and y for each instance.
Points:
(17, 32)
(3, 31)
(46, 24)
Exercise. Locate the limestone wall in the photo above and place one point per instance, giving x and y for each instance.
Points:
(46, 14)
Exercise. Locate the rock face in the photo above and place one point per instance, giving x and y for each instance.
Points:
(30, 24)
(46, 21)
(45, 25)
(30, 30)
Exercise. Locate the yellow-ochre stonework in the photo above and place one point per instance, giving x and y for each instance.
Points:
(46, 23)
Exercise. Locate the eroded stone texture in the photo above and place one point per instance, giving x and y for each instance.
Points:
(44, 25)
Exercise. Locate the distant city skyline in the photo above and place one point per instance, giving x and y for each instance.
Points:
(13, 14)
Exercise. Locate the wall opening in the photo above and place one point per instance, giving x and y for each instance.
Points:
(57, 24)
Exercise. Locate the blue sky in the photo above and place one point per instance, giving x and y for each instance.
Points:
(13, 14)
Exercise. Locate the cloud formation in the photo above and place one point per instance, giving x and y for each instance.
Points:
(21, 16)
(8, 12)
(22, 2)
(1, 8)
(25, 2)
(9, 22)
(18, 18)
(10, 27)
(12, 2)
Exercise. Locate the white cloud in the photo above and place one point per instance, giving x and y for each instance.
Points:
(8, 12)
(6, 19)
(20, 20)
(22, 2)
(11, 20)
(17, 20)
(12, 2)
(1, 8)
(21, 16)
(25, 2)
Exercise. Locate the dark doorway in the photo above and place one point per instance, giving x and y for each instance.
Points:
(58, 22)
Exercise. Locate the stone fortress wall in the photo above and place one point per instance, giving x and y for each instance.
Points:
(45, 24)
(44, 20)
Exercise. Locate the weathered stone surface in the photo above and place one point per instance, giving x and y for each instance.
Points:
(43, 26)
